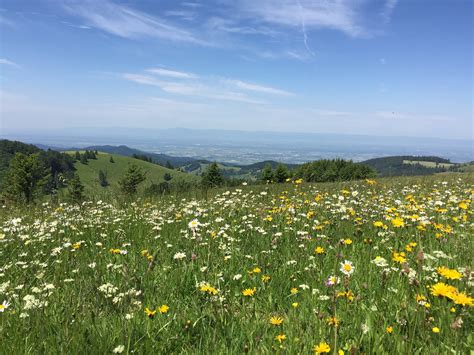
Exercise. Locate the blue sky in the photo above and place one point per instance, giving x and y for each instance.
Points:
(382, 67)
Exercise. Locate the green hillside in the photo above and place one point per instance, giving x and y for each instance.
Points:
(89, 173)
(409, 165)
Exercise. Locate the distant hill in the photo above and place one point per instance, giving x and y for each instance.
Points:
(407, 165)
(89, 173)
(158, 158)
(251, 171)
(191, 165)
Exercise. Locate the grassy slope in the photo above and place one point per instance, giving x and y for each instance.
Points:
(154, 173)
(428, 164)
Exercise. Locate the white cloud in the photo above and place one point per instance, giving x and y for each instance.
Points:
(141, 79)
(258, 88)
(172, 73)
(210, 89)
(205, 91)
(126, 22)
(338, 15)
(4, 61)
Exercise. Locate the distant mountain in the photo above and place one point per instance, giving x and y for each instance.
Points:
(250, 146)
(407, 165)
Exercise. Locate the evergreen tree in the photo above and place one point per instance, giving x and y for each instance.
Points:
(26, 176)
(76, 189)
(111, 159)
(169, 165)
(103, 179)
(167, 177)
(131, 179)
(212, 177)
(77, 156)
(267, 174)
(84, 159)
(281, 173)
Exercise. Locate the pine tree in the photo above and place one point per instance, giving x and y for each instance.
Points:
(131, 179)
(103, 179)
(78, 156)
(267, 174)
(76, 189)
(167, 177)
(84, 159)
(111, 159)
(26, 176)
(212, 177)
(281, 173)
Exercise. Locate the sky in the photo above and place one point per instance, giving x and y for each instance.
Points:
(382, 67)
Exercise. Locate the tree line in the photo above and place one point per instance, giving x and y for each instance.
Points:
(31, 175)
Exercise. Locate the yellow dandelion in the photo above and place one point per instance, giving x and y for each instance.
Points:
(443, 290)
(463, 299)
(280, 338)
(451, 274)
(276, 321)
(249, 292)
(398, 222)
(321, 348)
(163, 309)
(150, 313)
(319, 250)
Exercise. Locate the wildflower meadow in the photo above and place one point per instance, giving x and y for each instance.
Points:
(372, 266)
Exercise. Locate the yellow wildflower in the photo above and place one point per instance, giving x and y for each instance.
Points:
(249, 292)
(276, 321)
(321, 348)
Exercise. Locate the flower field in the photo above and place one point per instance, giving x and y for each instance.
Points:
(366, 267)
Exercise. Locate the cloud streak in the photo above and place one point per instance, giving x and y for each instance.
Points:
(4, 61)
(336, 15)
(126, 22)
(258, 88)
(232, 22)
(172, 73)
(207, 88)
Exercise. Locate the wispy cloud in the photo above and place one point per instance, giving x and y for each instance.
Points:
(210, 92)
(337, 15)
(171, 73)
(388, 9)
(4, 61)
(141, 79)
(303, 28)
(207, 88)
(258, 88)
(126, 22)
(182, 14)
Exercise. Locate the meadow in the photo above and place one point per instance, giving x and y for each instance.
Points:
(89, 173)
(372, 266)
